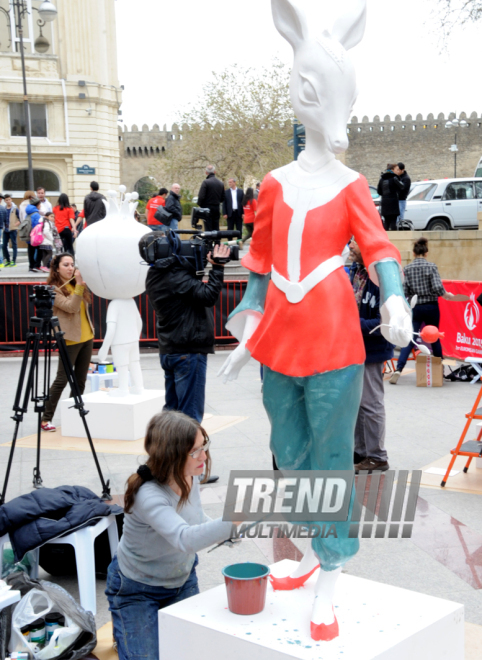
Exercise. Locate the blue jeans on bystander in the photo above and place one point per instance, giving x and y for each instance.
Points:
(134, 607)
(12, 237)
(185, 379)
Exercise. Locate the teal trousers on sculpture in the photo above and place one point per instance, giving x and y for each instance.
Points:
(312, 428)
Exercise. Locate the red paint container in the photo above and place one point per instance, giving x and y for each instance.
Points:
(246, 587)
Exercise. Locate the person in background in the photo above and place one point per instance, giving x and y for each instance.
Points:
(152, 206)
(249, 212)
(33, 252)
(256, 192)
(80, 221)
(233, 206)
(211, 195)
(401, 172)
(47, 245)
(370, 453)
(58, 246)
(423, 280)
(45, 206)
(3, 227)
(65, 222)
(94, 207)
(164, 528)
(71, 306)
(173, 205)
(389, 187)
(22, 209)
(10, 234)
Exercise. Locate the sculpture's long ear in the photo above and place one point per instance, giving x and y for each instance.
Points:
(289, 21)
(349, 28)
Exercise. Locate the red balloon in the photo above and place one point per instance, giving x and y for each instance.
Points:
(430, 334)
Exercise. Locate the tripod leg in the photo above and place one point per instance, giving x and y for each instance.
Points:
(32, 344)
(79, 404)
(37, 479)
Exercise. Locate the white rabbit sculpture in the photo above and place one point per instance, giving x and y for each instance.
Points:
(303, 323)
(108, 257)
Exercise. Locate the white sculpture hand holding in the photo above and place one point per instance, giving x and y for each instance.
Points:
(396, 321)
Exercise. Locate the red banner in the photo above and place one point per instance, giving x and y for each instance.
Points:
(461, 321)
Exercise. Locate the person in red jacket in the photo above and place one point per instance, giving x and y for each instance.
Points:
(249, 210)
(152, 206)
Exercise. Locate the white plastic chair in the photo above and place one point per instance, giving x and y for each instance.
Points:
(83, 542)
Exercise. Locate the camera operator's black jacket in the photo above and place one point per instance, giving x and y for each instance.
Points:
(181, 301)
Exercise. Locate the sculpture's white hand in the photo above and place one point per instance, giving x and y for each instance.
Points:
(240, 356)
(235, 362)
(102, 354)
(396, 314)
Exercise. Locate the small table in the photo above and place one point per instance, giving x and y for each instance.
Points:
(477, 365)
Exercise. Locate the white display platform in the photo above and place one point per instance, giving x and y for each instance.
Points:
(110, 417)
(376, 621)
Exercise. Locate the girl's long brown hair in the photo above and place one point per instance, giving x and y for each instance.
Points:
(170, 437)
(54, 278)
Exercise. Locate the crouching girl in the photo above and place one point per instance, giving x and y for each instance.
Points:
(164, 527)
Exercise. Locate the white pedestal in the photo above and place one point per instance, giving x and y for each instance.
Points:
(376, 621)
(112, 418)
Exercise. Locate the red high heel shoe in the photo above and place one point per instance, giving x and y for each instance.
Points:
(289, 583)
(323, 632)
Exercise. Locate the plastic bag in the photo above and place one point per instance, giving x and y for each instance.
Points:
(72, 642)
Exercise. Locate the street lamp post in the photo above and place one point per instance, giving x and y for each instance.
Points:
(47, 12)
(455, 123)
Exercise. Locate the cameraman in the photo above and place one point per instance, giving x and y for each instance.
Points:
(185, 325)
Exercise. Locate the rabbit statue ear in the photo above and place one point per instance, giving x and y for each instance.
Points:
(349, 28)
(289, 21)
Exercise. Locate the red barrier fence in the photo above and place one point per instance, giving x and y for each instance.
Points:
(16, 308)
(461, 321)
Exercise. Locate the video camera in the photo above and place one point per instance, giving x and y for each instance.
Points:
(198, 214)
(194, 250)
(43, 297)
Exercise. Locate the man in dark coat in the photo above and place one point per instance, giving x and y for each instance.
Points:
(173, 205)
(401, 172)
(94, 207)
(233, 206)
(370, 453)
(389, 188)
(211, 196)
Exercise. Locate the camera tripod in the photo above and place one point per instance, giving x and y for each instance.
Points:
(44, 332)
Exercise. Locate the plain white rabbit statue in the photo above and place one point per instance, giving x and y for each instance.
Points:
(299, 317)
(108, 257)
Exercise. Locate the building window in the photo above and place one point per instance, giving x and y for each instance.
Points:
(17, 181)
(38, 119)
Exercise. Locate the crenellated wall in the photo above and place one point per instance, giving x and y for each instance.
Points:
(422, 144)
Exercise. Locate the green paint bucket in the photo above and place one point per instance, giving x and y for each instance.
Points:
(246, 587)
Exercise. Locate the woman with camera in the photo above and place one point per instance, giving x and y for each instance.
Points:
(164, 527)
(71, 306)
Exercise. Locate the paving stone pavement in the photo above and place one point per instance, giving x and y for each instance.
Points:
(422, 426)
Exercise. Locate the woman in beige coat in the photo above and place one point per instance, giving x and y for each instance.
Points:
(71, 306)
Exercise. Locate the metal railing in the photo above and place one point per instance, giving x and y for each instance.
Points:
(16, 308)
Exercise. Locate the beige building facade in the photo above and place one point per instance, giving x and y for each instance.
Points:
(74, 97)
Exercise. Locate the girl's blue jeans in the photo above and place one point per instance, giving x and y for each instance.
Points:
(134, 607)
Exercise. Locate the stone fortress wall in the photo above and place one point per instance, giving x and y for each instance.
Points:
(423, 144)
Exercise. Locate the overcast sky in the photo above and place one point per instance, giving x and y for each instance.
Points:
(168, 49)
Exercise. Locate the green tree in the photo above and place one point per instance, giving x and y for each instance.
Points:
(241, 124)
